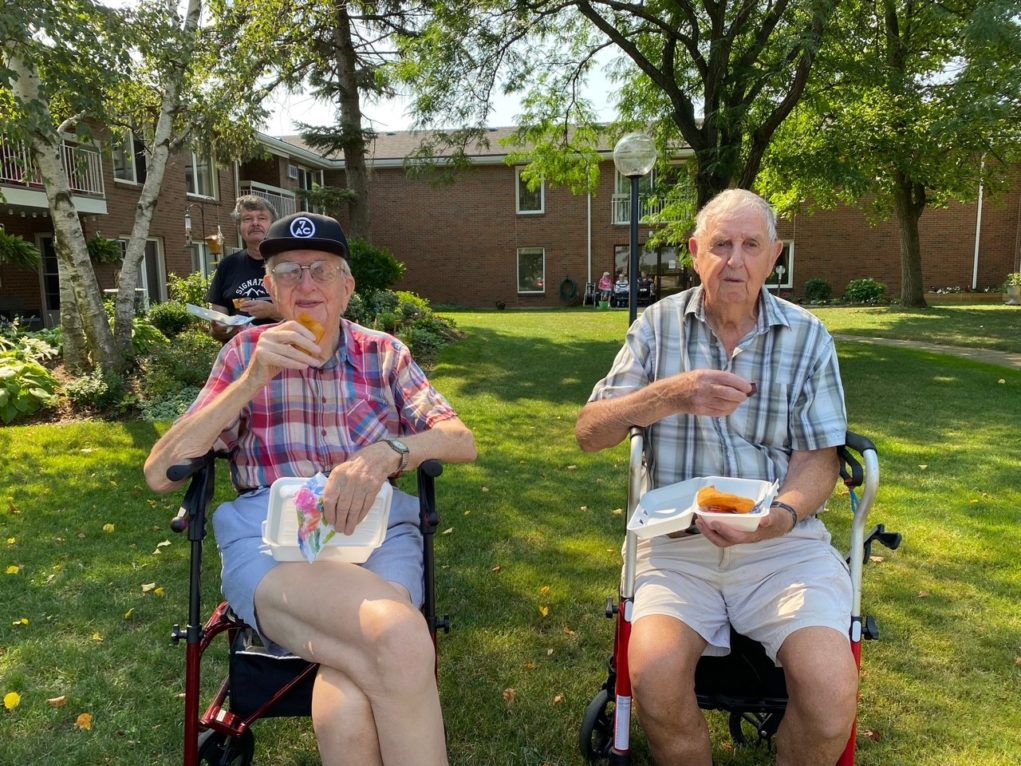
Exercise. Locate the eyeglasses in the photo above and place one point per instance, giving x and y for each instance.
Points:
(289, 272)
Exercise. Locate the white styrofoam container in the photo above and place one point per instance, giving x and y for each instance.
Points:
(280, 530)
(670, 508)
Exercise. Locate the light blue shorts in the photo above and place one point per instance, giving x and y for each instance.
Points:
(246, 559)
(765, 590)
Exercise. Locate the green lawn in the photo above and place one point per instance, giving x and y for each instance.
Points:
(529, 552)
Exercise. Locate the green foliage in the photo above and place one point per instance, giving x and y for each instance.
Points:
(170, 317)
(145, 336)
(37, 346)
(190, 289)
(866, 290)
(103, 250)
(17, 251)
(1013, 279)
(170, 407)
(97, 391)
(388, 321)
(374, 268)
(186, 361)
(817, 290)
(358, 310)
(25, 386)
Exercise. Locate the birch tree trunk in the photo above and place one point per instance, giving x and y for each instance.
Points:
(156, 167)
(70, 246)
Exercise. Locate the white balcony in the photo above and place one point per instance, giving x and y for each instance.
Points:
(283, 200)
(647, 205)
(23, 182)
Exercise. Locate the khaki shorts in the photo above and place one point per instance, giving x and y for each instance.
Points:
(765, 590)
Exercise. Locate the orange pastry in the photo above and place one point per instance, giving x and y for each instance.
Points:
(712, 500)
(311, 324)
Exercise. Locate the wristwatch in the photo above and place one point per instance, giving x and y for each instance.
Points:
(401, 449)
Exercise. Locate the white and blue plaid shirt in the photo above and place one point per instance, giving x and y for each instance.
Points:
(790, 355)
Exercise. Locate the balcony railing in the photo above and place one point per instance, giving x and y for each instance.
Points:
(282, 200)
(647, 205)
(83, 165)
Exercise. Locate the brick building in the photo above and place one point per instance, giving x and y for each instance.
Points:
(482, 240)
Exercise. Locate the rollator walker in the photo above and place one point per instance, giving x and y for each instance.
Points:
(260, 683)
(744, 683)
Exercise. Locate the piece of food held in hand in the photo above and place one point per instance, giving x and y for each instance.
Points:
(314, 325)
(712, 500)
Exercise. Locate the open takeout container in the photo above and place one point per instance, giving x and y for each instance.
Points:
(673, 507)
(280, 530)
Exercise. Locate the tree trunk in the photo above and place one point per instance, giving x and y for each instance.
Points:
(353, 139)
(909, 199)
(156, 167)
(74, 348)
(69, 242)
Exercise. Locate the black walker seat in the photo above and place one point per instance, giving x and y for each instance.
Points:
(745, 683)
(260, 683)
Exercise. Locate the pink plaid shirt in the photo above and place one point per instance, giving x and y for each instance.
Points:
(308, 421)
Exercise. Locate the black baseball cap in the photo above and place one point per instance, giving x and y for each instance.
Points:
(304, 231)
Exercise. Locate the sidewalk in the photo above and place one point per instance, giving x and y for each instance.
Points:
(988, 356)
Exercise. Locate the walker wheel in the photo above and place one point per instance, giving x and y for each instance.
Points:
(596, 737)
(750, 728)
(216, 749)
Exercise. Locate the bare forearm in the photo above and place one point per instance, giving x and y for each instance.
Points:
(811, 477)
(449, 441)
(194, 435)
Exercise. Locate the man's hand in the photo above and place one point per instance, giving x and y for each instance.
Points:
(776, 523)
(284, 346)
(260, 309)
(713, 393)
(354, 484)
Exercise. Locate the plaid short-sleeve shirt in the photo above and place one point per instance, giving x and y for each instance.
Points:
(790, 356)
(311, 420)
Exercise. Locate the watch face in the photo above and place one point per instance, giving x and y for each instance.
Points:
(398, 445)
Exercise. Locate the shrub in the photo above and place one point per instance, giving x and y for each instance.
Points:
(817, 290)
(103, 250)
(189, 289)
(170, 407)
(374, 268)
(25, 386)
(186, 361)
(388, 321)
(145, 336)
(358, 310)
(864, 291)
(96, 391)
(411, 306)
(170, 317)
(382, 301)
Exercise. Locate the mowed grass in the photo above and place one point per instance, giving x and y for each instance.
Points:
(528, 553)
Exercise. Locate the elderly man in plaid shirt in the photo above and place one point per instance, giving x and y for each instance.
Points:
(732, 381)
(354, 405)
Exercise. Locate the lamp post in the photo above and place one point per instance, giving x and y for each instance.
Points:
(633, 156)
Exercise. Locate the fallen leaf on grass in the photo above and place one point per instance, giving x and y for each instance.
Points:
(923, 467)
(20, 621)
(545, 589)
(544, 611)
(448, 530)
(558, 699)
(1002, 382)
(572, 468)
(14, 569)
(129, 614)
(160, 591)
(531, 665)
(1017, 661)
(97, 636)
(875, 736)
(923, 594)
(148, 587)
(12, 700)
(83, 722)
(583, 508)
(11, 540)
(509, 695)
(568, 631)
(617, 511)
(109, 527)
(57, 701)
(877, 559)
(496, 569)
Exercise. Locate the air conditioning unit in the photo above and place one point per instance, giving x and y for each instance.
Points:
(292, 172)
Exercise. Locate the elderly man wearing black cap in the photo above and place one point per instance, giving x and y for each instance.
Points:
(288, 401)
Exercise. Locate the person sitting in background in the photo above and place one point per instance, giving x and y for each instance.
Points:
(605, 286)
(285, 401)
(732, 381)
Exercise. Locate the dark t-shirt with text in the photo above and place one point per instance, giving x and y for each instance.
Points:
(238, 276)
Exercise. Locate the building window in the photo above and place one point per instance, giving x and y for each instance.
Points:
(201, 259)
(782, 275)
(200, 176)
(531, 270)
(529, 202)
(128, 158)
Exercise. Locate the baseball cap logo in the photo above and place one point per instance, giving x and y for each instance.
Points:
(303, 228)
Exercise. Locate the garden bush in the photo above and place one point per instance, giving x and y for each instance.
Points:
(25, 386)
(865, 291)
(190, 289)
(374, 268)
(170, 317)
(818, 290)
(97, 391)
(170, 407)
(172, 367)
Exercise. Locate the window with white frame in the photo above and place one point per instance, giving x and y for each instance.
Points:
(151, 273)
(202, 259)
(528, 202)
(531, 270)
(128, 157)
(200, 176)
(782, 275)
